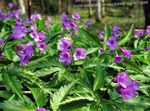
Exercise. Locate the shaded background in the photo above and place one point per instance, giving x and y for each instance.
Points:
(121, 12)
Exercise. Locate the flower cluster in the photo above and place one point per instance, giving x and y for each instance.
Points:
(141, 32)
(126, 87)
(68, 23)
(148, 30)
(25, 51)
(65, 56)
(112, 44)
(138, 33)
(19, 30)
(112, 41)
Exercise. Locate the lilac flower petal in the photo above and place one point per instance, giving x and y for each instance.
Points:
(40, 109)
(76, 16)
(42, 46)
(112, 43)
(80, 53)
(65, 57)
(64, 44)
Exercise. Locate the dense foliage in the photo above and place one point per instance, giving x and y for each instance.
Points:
(69, 67)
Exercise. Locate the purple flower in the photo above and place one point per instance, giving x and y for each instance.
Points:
(112, 43)
(88, 23)
(41, 36)
(73, 26)
(138, 33)
(147, 48)
(42, 46)
(101, 51)
(1, 42)
(122, 79)
(126, 87)
(40, 109)
(117, 59)
(115, 28)
(38, 36)
(66, 25)
(65, 57)
(79, 53)
(64, 16)
(1, 56)
(64, 44)
(48, 19)
(11, 5)
(101, 35)
(35, 16)
(25, 52)
(17, 33)
(148, 30)
(29, 21)
(116, 35)
(126, 53)
(33, 27)
(76, 16)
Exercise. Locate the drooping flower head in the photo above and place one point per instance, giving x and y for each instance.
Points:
(64, 44)
(25, 51)
(101, 35)
(65, 57)
(118, 58)
(1, 42)
(40, 109)
(148, 30)
(79, 53)
(101, 51)
(126, 87)
(126, 53)
(112, 43)
(138, 33)
(76, 16)
(88, 23)
(147, 48)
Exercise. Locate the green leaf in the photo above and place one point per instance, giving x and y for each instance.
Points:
(127, 37)
(13, 83)
(60, 95)
(16, 106)
(39, 96)
(99, 78)
(47, 71)
(77, 98)
(92, 50)
(107, 34)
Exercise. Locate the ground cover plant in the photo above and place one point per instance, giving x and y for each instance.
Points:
(68, 66)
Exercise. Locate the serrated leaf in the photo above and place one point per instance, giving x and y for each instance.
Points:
(39, 96)
(13, 83)
(60, 95)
